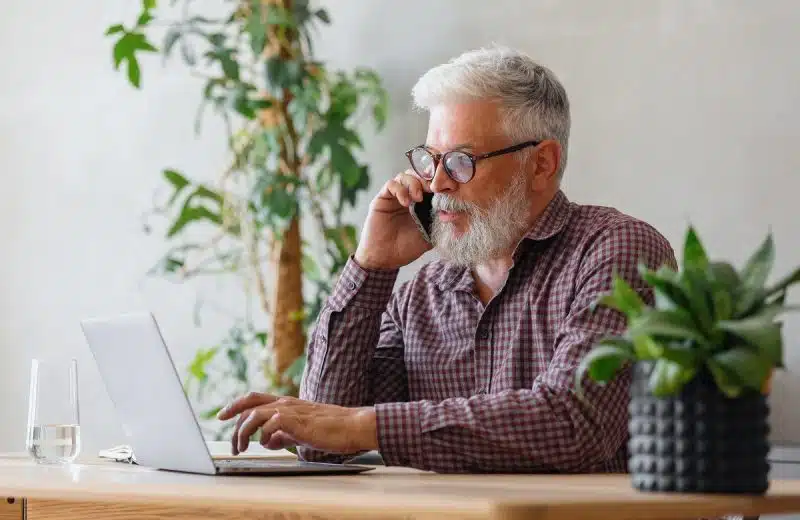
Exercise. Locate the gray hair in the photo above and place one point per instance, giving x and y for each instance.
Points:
(535, 102)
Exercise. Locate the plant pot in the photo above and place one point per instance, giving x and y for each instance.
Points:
(698, 440)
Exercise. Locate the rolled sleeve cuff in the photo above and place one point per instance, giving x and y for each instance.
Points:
(365, 288)
(400, 434)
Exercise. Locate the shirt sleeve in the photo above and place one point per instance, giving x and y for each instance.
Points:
(355, 353)
(546, 427)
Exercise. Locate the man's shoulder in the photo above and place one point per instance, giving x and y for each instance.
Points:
(607, 228)
(593, 220)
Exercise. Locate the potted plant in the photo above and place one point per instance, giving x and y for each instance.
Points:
(276, 216)
(702, 357)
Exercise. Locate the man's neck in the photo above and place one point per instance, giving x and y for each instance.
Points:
(491, 275)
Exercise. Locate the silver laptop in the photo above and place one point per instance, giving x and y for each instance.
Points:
(146, 390)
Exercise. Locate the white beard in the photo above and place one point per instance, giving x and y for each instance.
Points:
(489, 233)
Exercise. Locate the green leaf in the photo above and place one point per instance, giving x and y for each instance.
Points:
(697, 287)
(761, 333)
(295, 371)
(724, 286)
(676, 324)
(149, 4)
(114, 29)
(647, 348)
(619, 342)
(784, 283)
(134, 72)
(628, 299)
(602, 363)
(144, 19)
(322, 14)
(759, 265)
(349, 193)
(744, 366)
(666, 284)
(125, 49)
(172, 265)
(281, 203)
(343, 163)
(282, 74)
(343, 100)
(622, 298)
(239, 362)
(310, 268)
(258, 34)
(202, 358)
(188, 54)
(370, 84)
(724, 274)
(694, 254)
(725, 381)
(379, 113)
(170, 39)
(178, 181)
(191, 213)
(684, 355)
(280, 16)
(667, 378)
(342, 239)
(230, 67)
(240, 100)
(210, 413)
(748, 300)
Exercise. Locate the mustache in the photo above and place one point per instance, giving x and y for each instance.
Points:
(442, 202)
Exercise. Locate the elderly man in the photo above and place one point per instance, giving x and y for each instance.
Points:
(470, 366)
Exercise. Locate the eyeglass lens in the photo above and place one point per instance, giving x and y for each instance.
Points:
(457, 164)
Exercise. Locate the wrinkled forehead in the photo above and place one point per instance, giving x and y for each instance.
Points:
(477, 124)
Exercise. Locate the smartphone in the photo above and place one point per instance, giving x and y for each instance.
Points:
(422, 213)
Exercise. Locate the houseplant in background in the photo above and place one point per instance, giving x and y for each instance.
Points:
(292, 138)
(703, 357)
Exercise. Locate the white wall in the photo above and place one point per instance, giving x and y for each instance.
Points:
(683, 110)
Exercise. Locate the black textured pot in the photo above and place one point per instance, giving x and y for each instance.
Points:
(697, 440)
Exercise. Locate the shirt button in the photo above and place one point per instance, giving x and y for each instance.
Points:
(352, 286)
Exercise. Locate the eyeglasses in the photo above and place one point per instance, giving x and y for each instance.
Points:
(459, 165)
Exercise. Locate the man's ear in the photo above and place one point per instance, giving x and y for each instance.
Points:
(546, 158)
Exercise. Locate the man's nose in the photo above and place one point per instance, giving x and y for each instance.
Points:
(442, 182)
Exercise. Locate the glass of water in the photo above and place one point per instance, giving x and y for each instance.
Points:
(53, 435)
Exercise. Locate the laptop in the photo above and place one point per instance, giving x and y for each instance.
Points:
(146, 390)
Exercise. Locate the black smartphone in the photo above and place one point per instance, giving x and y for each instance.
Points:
(422, 212)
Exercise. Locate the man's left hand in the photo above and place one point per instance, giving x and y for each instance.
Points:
(287, 421)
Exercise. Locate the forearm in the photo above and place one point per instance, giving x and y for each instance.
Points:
(543, 429)
(340, 352)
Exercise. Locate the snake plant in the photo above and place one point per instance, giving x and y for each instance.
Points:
(705, 315)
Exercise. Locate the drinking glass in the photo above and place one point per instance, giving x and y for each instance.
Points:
(53, 435)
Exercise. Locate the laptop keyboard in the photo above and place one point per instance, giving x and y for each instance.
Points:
(249, 463)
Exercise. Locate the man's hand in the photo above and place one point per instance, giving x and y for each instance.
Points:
(287, 421)
(390, 238)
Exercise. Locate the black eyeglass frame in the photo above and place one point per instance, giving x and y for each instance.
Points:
(442, 157)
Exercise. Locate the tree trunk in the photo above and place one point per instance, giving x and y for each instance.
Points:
(288, 339)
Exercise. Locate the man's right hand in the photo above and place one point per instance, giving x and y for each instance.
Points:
(390, 238)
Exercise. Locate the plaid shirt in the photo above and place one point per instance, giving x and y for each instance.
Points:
(462, 387)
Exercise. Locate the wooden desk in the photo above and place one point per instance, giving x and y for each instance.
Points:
(114, 491)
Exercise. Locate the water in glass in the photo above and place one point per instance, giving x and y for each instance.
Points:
(53, 435)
